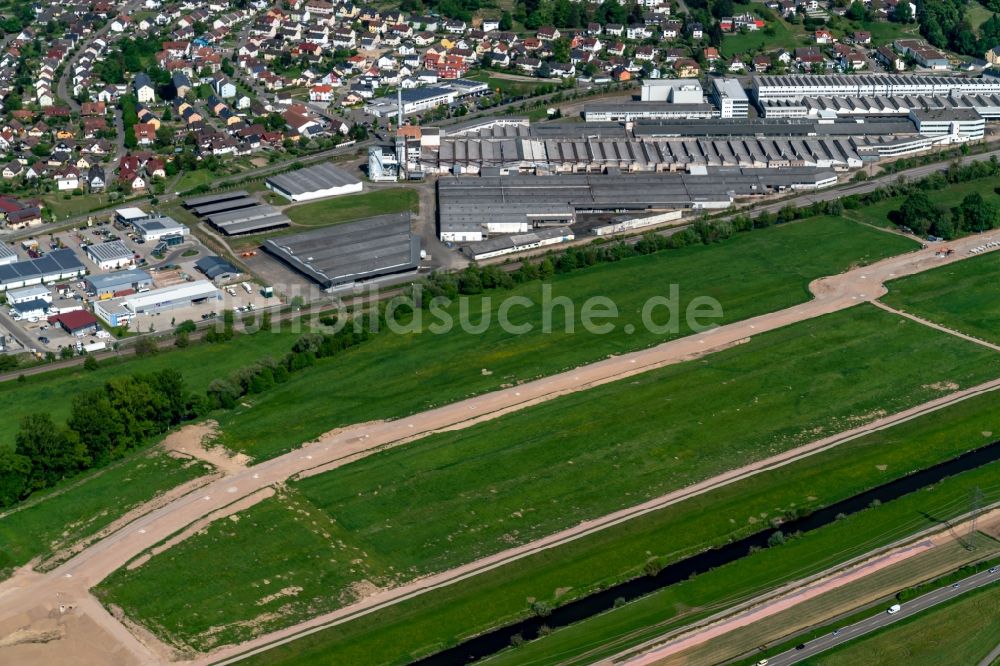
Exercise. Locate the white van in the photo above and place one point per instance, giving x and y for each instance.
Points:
(893, 609)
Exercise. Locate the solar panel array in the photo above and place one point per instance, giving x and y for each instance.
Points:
(57, 262)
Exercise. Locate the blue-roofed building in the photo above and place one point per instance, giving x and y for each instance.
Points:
(32, 309)
(144, 89)
(57, 265)
(216, 267)
(109, 284)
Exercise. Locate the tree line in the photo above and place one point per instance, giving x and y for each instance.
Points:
(127, 411)
(922, 216)
(945, 25)
(104, 424)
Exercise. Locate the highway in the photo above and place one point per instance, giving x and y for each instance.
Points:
(991, 658)
(883, 619)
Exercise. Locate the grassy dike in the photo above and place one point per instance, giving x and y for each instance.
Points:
(454, 497)
(440, 618)
(82, 506)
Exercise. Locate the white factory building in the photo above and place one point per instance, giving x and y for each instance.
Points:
(55, 266)
(728, 95)
(111, 255)
(602, 112)
(129, 215)
(119, 311)
(314, 182)
(154, 228)
(675, 91)
(965, 123)
(26, 294)
(414, 100)
(794, 87)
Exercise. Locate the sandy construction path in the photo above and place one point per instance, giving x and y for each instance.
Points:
(74, 578)
(659, 650)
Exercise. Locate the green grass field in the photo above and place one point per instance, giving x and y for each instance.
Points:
(976, 14)
(962, 631)
(81, 507)
(962, 296)
(192, 179)
(838, 608)
(75, 205)
(883, 32)
(442, 617)
(778, 33)
(200, 363)
(507, 86)
(878, 214)
(394, 375)
(455, 497)
(353, 207)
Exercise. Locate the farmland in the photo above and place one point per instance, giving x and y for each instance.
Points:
(394, 375)
(353, 207)
(454, 497)
(962, 296)
(959, 632)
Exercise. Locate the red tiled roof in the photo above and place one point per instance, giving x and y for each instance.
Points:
(75, 320)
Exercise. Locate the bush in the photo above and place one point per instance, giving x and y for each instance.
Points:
(541, 609)
(146, 346)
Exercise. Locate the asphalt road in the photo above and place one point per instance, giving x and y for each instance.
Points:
(883, 619)
(991, 658)
(16, 332)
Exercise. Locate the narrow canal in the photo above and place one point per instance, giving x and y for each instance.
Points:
(604, 600)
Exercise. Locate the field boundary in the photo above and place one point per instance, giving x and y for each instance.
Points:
(421, 585)
(938, 327)
(913, 544)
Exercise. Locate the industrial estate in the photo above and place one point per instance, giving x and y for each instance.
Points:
(528, 332)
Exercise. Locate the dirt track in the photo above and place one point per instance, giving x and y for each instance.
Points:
(795, 594)
(69, 583)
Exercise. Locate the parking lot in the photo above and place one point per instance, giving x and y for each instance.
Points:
(167, 264)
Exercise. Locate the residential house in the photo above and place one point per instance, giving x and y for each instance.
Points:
(143, 87)
(96, 179)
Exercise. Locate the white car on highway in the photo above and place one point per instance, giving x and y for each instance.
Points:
(893, 609)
